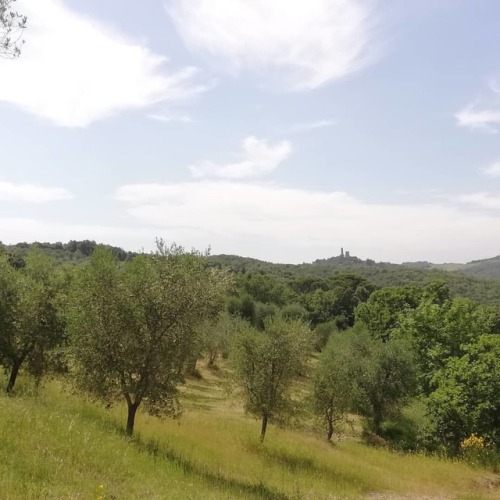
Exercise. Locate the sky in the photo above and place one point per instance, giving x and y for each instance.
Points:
(276, 129)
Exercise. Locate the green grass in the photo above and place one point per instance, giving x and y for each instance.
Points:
(56, 445)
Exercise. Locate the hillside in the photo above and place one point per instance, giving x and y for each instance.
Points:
(478, 280)
(380, 274)
(72, 252)
(485, 268)
(56, 445)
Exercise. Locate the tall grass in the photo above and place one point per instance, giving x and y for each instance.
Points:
(57, 445)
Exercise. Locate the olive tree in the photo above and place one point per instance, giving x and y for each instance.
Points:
(30, 323)
(216, 337)
(384, 374)
(133, 326)
(359, 372)
(266, 363)
(8, 306)
(334, 387)
(390, 380)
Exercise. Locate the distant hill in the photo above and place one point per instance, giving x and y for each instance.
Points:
(381, 274)
(71, 252)
(478, 280)
(485, 268)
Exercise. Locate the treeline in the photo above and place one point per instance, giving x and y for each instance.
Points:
(72, 251)
(130, 329)
(380, 274)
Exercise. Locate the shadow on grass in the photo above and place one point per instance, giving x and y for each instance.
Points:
(198, 387)
(193, 397)
(163, 452)
(285, 458)
(401, 433)
(296, 462)
(216, 479)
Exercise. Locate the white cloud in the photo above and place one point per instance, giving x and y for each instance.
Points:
(169, 118)
(484, 113)
(74, 70)
(482, 119)
(481, 200)
(258, 158)
(29, 193)
(294, 225)
(308, 126)
(493, 170)
(308, 43)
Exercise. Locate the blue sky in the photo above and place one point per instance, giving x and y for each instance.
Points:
(276, 129)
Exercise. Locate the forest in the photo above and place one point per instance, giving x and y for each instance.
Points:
(414, 368)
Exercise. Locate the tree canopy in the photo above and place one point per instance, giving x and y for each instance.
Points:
(30, 319)
(467, 398)
(134, 326)
(266, 364)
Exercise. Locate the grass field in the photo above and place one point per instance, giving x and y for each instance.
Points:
(55, 445)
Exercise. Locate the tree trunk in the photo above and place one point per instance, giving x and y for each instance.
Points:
(377, 419)
(263, 428)
(211, 359)
(132, 409)
(190, 367)
(330, 429)
(13, 376)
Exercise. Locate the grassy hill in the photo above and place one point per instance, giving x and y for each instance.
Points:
(57, 445)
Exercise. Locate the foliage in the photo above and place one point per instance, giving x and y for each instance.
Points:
(135, 325)
(243, 307)
(266, 364)
(9, 291)
(380, 313)
(339, 300)
(466, 401)
(351, 290)
(255, 313)
(30, 323)
(11, 26)
(384, 374)
(75, 252)
(296, 280)
(380, 274)
(440, 331)
(133, 328)
(322, 333)
(477, 451)
(321, 306)
(263, 313)
(294, 311)
(216, 336)
(264, 288)
(308, 284)
(334, 388)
